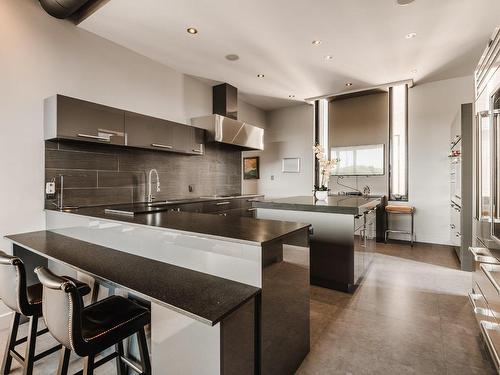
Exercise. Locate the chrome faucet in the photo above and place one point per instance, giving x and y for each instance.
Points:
(150, 197)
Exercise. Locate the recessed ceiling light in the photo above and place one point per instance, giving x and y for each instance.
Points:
(348, 84)
(404, 2)
(411, 35)
(291, 96)
(192, 30)
(316, 42)
(413, 71)
(328, 57)
(260, 75)
(232, 57)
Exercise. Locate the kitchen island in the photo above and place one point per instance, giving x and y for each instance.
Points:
(344, 234)
(186, 337)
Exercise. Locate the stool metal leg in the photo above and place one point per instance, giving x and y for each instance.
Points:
(64, 362)
(144, 352)
(386, 232)
(88, 365)
(7, 358)
(29, 358)
(120, 366)
(412, 228)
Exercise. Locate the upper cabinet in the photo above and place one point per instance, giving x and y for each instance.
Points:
(69, 118)
(157, 134)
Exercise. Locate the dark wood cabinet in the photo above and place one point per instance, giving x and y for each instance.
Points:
(70, 118)
(163, 135)
(148, 132)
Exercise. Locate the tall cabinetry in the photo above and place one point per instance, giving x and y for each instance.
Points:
(460, 157)
(485, 295)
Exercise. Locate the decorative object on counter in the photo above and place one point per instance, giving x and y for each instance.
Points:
(251, 169)
(290, 165)
(366, 191)
(325, 170)
(321, 195)
(355, 192)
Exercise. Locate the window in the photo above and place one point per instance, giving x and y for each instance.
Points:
(398, 133)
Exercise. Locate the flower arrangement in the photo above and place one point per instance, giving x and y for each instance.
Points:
(325, 168)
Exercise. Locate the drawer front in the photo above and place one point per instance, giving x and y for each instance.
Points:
(245, 202)
(219, 205)
(191, 207)
(491, 335)
(489, 283)
(480, 307)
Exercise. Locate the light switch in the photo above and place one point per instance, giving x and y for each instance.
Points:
(272, 177)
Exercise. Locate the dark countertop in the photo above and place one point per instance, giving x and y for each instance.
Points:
(232, 228)
(143, 207)
(338, 204)
(198, 295)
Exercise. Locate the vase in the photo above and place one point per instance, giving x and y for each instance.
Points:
(321, 195)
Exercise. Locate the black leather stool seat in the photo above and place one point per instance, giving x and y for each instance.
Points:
(34, 294)
(109, 321)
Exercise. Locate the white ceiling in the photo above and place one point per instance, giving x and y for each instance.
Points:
(273, 37)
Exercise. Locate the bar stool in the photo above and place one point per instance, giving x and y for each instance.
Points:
(400, 210)
(24, 301)
(90, 330)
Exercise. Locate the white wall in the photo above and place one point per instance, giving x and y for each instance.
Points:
(432, 109)
(257, 117)
(41, 56)
(289, 134)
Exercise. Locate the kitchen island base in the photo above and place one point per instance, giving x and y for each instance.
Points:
(278, 266)
(343, 239)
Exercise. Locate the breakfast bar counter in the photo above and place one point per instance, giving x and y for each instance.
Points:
(217, 284)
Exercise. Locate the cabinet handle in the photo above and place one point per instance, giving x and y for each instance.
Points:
(486, 270)
(223, 214)
(197, 150)
(479, 310)
(482, 258)
(222, 203)
(452, 226)
(458, 235)
(159, 145)
(251, 209)
(97, 137)
(485, 328)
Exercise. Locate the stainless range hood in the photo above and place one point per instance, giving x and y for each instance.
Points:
(223, 126)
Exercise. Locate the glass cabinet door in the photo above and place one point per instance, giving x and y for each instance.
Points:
(495, 229)
(484, 159)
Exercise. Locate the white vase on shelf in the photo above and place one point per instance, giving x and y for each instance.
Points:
(321, 195)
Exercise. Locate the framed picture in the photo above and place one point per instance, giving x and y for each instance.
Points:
(290, 165)
(251, 168)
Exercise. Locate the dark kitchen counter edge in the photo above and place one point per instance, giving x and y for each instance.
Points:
(306, 207)
(214, 220)
(289, 204)
(170, 280)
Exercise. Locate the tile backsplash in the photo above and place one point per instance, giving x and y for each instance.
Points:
(96, 174)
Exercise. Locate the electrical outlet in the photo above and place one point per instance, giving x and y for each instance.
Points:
(50, 188)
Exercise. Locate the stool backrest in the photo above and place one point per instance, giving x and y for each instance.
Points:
(13, 283)
(62, 308)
